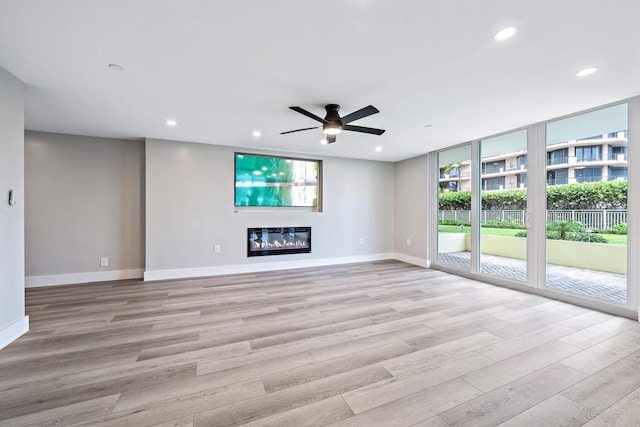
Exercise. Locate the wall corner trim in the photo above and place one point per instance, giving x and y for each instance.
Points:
(14, 331)
(184, 273)
(74, 278)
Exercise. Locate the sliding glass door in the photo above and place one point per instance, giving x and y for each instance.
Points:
(454, 207)
(586, 221)
(503, 206)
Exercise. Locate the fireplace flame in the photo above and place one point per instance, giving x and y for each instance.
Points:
(279, 245)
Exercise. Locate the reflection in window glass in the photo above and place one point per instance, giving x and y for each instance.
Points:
(454, 207)
(586, 227)
(276, 181)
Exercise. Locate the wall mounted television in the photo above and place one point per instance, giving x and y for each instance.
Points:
(272, 181)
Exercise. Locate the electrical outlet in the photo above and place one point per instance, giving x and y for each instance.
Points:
(216, 249)
(362, 240)
(408, 241)
(104, 262)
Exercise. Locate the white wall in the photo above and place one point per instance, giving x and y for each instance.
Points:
(84, 201)
(189, 209)
(411, 207)
(13, 321)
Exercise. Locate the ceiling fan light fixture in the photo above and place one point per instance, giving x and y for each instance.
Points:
(331, 128)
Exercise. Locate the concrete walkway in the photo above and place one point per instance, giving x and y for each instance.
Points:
(595, 284)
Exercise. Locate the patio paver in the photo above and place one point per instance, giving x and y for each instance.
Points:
(591, 283)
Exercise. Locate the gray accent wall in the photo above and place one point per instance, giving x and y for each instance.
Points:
(190, 209)
(85, 201)
(11, 217)
(411, 209)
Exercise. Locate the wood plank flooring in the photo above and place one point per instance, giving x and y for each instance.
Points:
(369, 344)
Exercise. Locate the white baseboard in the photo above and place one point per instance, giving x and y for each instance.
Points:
(182, 273)
(14, 331)
(412, 260)
(94, 276)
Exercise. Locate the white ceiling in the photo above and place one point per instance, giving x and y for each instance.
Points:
(223, 69)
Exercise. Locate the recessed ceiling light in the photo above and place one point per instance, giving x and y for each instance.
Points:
(116, 67)
(257, 133)
(171, 123)
(324, 142)
(505, 33)
(378, 149)
(586, 71)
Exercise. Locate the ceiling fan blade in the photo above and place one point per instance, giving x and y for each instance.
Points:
(363, 112)
(298, 130)
(363, 129)
(331, 139)
(308, 114)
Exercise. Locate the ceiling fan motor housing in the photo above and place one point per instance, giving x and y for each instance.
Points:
(333, 125)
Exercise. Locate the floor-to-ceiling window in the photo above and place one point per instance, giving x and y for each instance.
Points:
(454, 207)
(547, 207)
(586, 195)
(503, 207)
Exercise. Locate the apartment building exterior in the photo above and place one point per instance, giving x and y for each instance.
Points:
(597, 158)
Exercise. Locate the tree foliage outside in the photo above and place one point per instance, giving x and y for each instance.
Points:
(587, 195)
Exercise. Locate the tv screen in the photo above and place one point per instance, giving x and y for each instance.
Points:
(276, 181)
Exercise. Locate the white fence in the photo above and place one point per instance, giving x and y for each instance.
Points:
(595, 219)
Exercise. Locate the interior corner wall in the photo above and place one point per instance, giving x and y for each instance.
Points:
(190, 208)
(411, 211)
(84, 202)
(13, 321)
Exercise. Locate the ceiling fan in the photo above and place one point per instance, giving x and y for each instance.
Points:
(333, 124)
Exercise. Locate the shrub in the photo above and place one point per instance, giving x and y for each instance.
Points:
(620, 228)
(503, 224)
(569, 230)
(564, 229)
(449, 222)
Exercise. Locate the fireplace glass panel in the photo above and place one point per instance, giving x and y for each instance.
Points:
(278, 241)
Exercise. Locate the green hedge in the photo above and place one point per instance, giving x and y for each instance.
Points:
(588, 195)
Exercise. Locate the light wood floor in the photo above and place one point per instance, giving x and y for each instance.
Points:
(370, 344)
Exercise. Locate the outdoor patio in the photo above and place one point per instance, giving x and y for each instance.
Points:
(591, 283)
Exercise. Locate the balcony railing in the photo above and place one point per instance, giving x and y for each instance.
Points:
(580, 179)
(593, 219)
(581, 159)
(491, 187)
(557, 181)
(558, 160)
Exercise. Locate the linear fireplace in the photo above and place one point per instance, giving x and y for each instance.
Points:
(278, 241)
